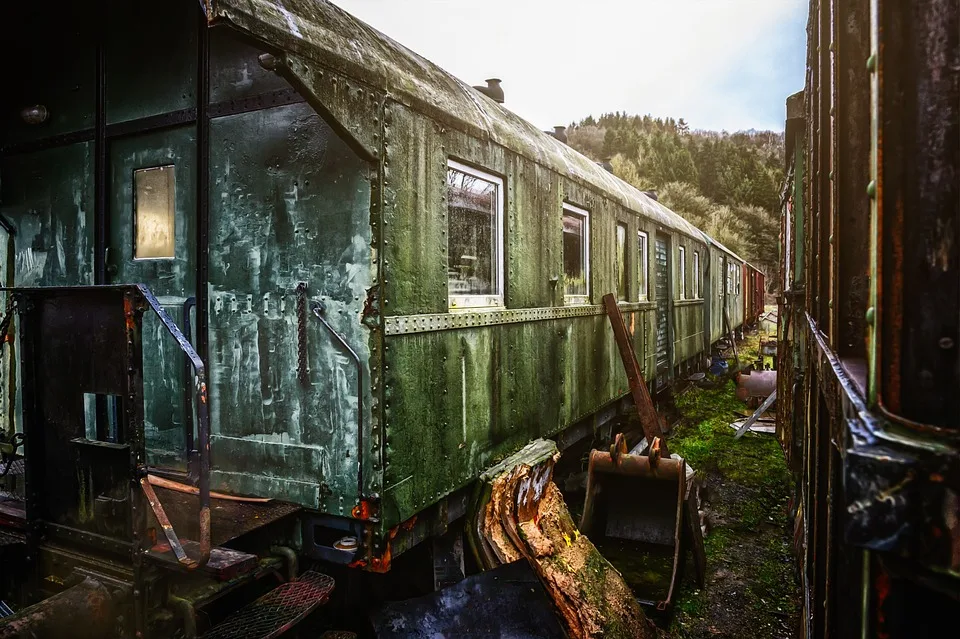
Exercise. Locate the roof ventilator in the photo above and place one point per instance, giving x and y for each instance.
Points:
(493, 90)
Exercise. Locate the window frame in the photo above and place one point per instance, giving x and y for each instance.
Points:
(623, 296)
(643, 272)
(578, 211)
(682, 271)
(493, 301)
(697, 287)
(170, 171)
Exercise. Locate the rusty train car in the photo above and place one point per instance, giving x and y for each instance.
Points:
(278, 290)
(869, 408)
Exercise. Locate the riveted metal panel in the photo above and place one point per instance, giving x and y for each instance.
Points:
(173, 280)
(290, 203)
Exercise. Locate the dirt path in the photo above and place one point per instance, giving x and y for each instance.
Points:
(751, 588)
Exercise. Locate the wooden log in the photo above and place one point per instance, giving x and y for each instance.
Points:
(525, 517)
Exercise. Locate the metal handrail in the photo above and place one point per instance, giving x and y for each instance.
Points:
(318, 309)
(203, 419)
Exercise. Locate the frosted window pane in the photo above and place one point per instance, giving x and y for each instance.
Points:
(154, 213)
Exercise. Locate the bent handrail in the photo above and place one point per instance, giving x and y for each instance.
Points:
(203, 448)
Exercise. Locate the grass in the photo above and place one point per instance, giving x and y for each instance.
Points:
(748, 484)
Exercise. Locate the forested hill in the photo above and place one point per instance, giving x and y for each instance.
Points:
(727, 184)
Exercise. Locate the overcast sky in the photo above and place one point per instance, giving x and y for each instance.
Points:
(721, 64)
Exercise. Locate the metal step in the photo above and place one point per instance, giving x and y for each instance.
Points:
(277, 611)
(224, 564)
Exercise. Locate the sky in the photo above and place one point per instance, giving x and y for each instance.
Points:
(719, 64)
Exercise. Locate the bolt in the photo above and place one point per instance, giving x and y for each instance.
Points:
(871, 316)
(872, 189)
(872, 63)
(946, 343)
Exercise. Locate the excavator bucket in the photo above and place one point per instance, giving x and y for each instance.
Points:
(633, 513)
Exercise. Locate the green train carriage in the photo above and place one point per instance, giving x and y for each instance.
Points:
(392, 280)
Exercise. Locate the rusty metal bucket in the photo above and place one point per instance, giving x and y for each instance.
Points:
(633, 513)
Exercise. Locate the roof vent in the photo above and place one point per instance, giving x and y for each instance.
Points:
(560, 132)
(652, 195)
(493, 90)
(606, 165)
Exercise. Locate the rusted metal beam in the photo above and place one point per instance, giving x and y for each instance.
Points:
(649, 419)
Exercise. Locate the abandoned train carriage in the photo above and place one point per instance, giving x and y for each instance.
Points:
(393, 281)
(869, 413)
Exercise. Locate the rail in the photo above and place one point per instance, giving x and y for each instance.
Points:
(203, 449)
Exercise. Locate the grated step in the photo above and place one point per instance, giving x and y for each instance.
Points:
(277, 611)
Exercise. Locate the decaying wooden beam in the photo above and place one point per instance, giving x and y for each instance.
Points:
(649, 418)
(521, 515)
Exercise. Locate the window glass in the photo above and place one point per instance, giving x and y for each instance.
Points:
(644, 269)
(474, 238)
(696, 275)
(682, 258)
(154, 213)
(621, 261)
(576, 253)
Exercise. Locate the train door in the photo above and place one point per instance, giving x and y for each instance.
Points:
(664, 294)
(724, 295)
(151, 241)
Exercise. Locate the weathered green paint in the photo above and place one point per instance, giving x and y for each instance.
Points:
(171, 280)
(48, 195)
(289, 203)
(347, 193)
(235, 69)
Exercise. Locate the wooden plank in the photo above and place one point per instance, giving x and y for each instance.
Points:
(753, 418)
(649, 419)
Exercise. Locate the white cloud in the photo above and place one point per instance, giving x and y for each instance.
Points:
(721, 64)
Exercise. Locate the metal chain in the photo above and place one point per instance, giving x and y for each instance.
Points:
(302, 332)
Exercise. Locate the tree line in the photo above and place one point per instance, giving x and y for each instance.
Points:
(727, 184)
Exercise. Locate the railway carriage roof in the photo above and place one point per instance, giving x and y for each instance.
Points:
(321, 32)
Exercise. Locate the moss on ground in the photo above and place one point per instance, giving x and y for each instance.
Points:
(750, 582)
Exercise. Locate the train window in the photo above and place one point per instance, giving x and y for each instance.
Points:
(621, 261)
(474, 238)
(154, 213)
(696, 275)
(682, 271)
(576, 254)
(644, 269)
(739, 278)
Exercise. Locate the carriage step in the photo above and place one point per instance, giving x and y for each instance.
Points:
(277, 611)
(224, 564)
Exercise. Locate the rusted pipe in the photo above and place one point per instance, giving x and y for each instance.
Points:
(188, 613)
(193, 490)
(83, 611)
(289, 558)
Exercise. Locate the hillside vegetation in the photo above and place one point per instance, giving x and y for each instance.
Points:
(727, 184)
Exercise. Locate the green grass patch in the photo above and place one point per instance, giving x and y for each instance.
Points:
(750, 507)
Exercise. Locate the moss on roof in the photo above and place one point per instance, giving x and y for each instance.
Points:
(319, 31)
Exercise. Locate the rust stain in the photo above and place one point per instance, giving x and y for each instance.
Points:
(893, 311)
